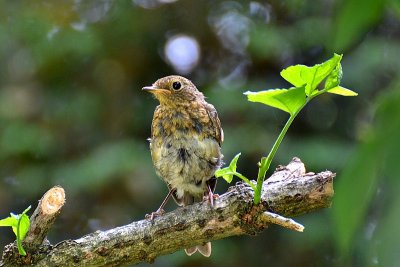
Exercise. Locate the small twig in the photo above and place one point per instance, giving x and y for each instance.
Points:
(269, 217)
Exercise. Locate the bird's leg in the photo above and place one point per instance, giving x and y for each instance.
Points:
(209, 195)
(160, 211)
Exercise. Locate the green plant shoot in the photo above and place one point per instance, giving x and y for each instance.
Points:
(20, 225)
(228, 172)
(308, 82)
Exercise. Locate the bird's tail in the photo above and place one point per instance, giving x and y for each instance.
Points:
(204, 250)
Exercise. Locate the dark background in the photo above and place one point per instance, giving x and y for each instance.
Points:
(72, 113)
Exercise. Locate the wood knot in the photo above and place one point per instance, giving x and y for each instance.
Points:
(201, 223)
(147, 239)
(102, 251)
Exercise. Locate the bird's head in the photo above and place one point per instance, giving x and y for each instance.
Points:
(174, 90)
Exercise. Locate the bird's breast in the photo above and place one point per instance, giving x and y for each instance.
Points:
(186, 163)
(183, 147)
(181, 122)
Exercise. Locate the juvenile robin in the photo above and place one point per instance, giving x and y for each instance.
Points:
(185, 144)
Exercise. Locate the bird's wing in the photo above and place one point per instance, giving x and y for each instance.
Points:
(218, 132)
(157, 113)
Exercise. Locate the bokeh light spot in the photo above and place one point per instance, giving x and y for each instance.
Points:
(183, 53)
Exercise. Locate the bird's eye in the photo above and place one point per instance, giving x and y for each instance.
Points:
(176, 85)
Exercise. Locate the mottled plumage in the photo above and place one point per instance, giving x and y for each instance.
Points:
(185, 144)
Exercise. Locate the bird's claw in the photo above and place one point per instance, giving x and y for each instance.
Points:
(154, 214)
(211, 197)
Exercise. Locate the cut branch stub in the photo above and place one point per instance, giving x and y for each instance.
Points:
(43, 217)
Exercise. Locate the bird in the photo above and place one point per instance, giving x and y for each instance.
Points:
(185, 144)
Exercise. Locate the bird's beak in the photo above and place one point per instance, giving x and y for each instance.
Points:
(149, 88)
(152, 89)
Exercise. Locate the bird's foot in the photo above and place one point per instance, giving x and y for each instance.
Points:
(154, 214)
(211, 197)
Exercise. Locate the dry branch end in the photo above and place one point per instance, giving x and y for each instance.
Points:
(43, 217)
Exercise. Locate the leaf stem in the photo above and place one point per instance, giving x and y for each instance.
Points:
(241, 176)
(266, 161)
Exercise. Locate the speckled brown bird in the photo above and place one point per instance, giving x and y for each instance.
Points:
(185, 144)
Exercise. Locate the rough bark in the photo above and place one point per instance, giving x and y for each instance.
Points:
(289, 192)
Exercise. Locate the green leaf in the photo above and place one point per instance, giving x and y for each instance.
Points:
(293, 75)
(342, 91)
(15, 227)
(20, 226)
(288, 100)
(322, 71)
(228, 172)
(311, 77)
(24, 224)
(334, 78)
(22, 230)
(9, 221)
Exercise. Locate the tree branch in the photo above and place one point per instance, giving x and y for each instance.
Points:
(289, 191)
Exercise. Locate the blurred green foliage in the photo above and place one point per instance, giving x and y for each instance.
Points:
(376, 164)
(353, 20)
(72, 113)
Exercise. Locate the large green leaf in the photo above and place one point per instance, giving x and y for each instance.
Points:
(289, 100)
(293, 74)
(311, 77)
